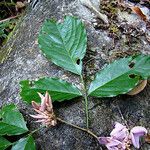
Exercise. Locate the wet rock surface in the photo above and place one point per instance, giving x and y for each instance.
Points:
(25, 61)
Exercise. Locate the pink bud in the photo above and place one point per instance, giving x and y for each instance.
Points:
(45, 113)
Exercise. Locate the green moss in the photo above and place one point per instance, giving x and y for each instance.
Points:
(12, 36)
(4, 54)
(113, 28)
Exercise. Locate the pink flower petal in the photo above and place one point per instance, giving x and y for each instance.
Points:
(39, 116)
(43, 102)
(120, 132)
(115, 145)
(104, 140)
(48, 101)
(139, 130)
(42, 120)
(41, 96)
(35, 105)
(38, 111)
(135, 134)
(119, 125)
(111, 143)
(117, 128)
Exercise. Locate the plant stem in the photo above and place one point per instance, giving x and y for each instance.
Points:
(88, 4)
(32, 132)
(8, 4)
(122, 117)
(7, 19)
(86, 102)
(77, 127)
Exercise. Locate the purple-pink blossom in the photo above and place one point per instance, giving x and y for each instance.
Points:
(135, 135)
(45, 113)
(120, 138)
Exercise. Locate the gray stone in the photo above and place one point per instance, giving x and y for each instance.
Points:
(25, 61)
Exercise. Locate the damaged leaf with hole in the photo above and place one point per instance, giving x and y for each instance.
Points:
(120, 77)
(141, 66)
(59, 90)
(64, 43)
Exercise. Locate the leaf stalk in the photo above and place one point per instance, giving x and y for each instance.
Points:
(77, 127)
(70, 124)
(32, 132)
(86, 101)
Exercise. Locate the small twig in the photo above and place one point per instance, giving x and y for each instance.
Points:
(88, 4)
(122, 117)
(77, 127)
(7, 19)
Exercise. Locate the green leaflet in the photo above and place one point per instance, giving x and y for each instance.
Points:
(58, 89)
(13, 124)
(12, 121)
(4, 143)
(25, 144)
(118, 78)
(142, 65)
(64, 43)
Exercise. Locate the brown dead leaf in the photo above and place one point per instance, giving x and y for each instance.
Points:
(19, 5)
(147, 138)
(140, 87)
(139, 12)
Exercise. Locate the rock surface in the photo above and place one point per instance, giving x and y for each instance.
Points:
(27, 62)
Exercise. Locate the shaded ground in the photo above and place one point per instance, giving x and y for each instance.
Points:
(25, 61)
(10, 11)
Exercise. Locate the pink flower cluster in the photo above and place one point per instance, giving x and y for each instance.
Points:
(45, 113)
(121, 139)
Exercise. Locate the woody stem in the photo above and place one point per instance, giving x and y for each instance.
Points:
(77, 127)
